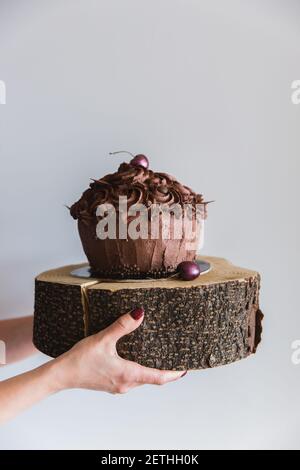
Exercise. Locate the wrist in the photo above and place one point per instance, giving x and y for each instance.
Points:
(55, 375)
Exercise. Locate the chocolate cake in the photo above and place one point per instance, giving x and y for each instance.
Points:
(145, 256)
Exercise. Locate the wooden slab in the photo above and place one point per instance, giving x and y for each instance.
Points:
(211, 321)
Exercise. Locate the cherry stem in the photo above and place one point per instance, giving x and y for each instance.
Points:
(121, 151)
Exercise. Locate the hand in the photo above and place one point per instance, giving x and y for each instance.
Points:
(94, 363)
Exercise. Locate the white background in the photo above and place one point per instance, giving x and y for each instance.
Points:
(204, 89)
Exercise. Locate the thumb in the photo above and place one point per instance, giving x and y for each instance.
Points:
(125, 324)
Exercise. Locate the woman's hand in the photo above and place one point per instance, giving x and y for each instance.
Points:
(94, 363)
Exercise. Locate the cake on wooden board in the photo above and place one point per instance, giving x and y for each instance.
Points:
(191, 321)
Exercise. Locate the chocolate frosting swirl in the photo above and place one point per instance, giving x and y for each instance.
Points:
(139, 185)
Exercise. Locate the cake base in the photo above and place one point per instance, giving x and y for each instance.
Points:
(86, 272)
(211, 321)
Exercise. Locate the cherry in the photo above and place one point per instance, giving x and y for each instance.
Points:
(140, 160)
(188, 270)
(137, 160)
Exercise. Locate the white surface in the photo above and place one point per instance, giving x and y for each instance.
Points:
(204, 89)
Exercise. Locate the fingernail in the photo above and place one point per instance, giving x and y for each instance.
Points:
(137, 313)
(184, 374)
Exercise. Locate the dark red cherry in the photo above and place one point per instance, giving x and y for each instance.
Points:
(188, 270)
(137, 160)
(140, 160)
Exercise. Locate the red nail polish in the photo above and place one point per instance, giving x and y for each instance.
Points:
(184, 373)
(137, 313)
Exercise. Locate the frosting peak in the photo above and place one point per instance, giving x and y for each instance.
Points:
(139, 185)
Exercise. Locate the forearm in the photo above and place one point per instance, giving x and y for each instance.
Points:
(17, 335)
(23, 391)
